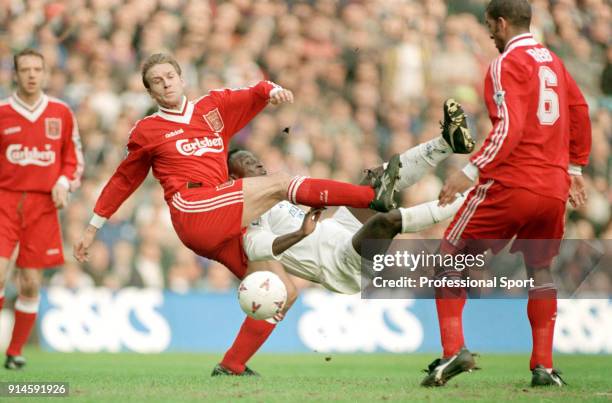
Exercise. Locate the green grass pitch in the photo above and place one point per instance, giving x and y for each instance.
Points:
(305, 377)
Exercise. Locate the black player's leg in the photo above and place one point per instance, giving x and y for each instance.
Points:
(383, 226)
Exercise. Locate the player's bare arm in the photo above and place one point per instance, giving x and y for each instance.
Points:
(284, 242)
(81, 247)
(456, 183)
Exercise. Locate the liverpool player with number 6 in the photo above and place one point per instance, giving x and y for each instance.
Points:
(40, 163)
(528, 166)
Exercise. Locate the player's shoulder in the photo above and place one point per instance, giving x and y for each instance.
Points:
(59, 104)
(518, 59)
(4, 102)
(145, 125)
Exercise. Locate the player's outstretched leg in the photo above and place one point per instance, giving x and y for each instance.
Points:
(253, 333)
(404, 220)
(384, 186)
(417, 161)
(454, 128)
(261, 193)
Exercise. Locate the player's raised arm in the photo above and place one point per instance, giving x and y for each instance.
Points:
(239, 106)
(126, 179)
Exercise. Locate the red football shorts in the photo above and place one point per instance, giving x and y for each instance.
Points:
(207, 220)
(31, 220)
(493, 214)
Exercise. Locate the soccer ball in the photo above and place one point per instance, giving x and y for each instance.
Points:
(262, 295)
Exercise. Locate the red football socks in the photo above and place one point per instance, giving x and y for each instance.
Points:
(542, 313)
(325, 192)
(450, 312)
(251, 336)
(25, 317)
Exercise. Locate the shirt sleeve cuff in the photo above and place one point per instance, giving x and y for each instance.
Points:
(97, 221)
(471, 171)
(258, 245)
(574, 170)
(62, 180)
(275, 91)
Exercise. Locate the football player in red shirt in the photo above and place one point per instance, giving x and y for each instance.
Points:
(186, 143)
(40, 163)
(541, 133)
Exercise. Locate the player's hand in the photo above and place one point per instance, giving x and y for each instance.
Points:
(81, 247)
(59, 194)
(456, 183)
(577, 191)
(281, 97)
(310, 220)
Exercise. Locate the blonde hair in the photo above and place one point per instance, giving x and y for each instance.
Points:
(158, 58)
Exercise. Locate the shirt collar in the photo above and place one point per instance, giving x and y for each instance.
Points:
(179, 111)
(516, 38)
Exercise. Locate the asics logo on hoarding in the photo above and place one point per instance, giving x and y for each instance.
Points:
(22, 155)
(199, 147)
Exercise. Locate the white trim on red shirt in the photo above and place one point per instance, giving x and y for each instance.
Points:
(31, 113)
(181, 115)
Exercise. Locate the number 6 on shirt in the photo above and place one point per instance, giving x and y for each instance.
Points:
(548, 104)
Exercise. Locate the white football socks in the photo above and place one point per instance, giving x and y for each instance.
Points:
(421, 216)
(417, 161)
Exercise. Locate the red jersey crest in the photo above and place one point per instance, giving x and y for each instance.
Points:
(53, 128)
(213, 118)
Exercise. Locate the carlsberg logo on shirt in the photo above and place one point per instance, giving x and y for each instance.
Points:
(200, 147)
(22, 155)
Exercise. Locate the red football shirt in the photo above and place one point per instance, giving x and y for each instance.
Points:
(183, 146)
(39, 145)
(540, 121)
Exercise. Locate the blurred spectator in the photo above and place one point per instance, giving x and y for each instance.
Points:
(72, 277)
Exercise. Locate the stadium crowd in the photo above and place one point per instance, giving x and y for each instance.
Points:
(369, 79)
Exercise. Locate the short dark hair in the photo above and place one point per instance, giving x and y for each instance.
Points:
(516, 12)
(158, 58)
(26, 52)
(231, 154)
